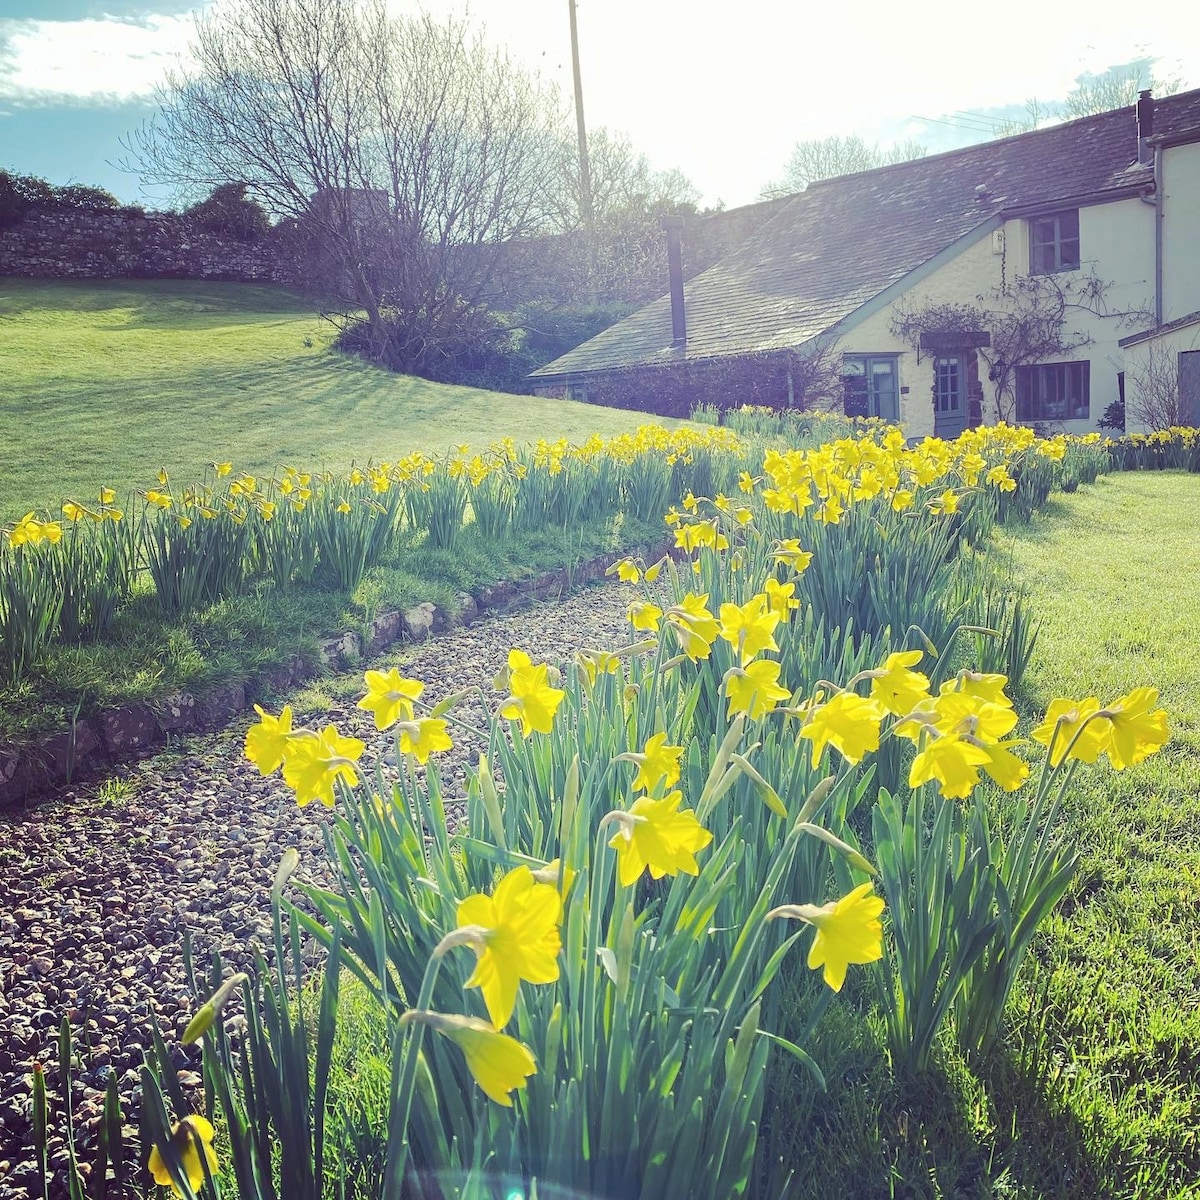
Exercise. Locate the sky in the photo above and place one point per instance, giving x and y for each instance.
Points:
(720, 90)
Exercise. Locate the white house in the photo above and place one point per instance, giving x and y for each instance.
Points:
(1040, 278)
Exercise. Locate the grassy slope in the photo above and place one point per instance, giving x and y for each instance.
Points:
(104, 382)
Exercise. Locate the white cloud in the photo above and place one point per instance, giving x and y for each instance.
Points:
(90, 61)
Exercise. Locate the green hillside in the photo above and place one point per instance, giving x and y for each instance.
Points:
(104, 382)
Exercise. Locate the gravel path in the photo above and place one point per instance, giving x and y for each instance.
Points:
(97, 886)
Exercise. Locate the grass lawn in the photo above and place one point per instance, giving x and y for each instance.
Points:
(104, 382)
(1115, 1000)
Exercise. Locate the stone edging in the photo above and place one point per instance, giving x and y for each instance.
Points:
(114, 735)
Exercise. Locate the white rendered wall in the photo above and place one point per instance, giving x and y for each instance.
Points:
(1181, 231)
(1116, 243)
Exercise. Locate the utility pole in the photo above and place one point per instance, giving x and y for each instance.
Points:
(586, 210)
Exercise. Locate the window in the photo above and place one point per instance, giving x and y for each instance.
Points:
(869, 386)
(1054, 392)
(1054, 242)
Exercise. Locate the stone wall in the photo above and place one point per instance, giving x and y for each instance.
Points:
(115, 245)
(118, 245)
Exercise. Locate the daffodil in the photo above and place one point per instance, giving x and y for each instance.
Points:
(1081, 735)
(498, 1063)
(951, 760)
(848, 722)
(657, 763)
(189, 1138)
(749, 628)
(781, 597)
(897, 686)
(754, 689)
(517, 939)
(423, 737)
(644, 615)
(694, 625)
(598, 662)
(390, 697)
(533, 701)
(313, 763)
(984, 686)
(848, 931)
(267, 742)
(655, 834)
(788, 551)
(1135, 732)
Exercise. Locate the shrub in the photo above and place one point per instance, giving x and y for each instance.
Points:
(230, 213)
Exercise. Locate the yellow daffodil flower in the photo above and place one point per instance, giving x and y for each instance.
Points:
(533, 701)
(953, 761)
(781, 597)
(627, 571)
(847, 931)
(314, 762)
(694, 625)
(655, 834)
(983, 686)
(498, 1063)
(267, 742)
(183, 1140)
(896, 686)
(423, 737)
(788, 551)
(644, 615)
(749, 628)
(849, 723)
(754, 689)
(1076, 716)
(657, 763)
(390, 697)
(596, 663)
(1009, 771)
(517, 939)
(1135, 732)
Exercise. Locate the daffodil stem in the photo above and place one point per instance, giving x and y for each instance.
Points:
(398, 1136)
(597, 879)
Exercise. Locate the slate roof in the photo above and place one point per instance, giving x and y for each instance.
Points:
(842, 241)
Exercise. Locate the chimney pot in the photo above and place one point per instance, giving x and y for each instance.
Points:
(1145, 124)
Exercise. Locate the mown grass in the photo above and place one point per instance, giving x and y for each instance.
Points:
(143, 658)
(1095, 1091)
(105, 382)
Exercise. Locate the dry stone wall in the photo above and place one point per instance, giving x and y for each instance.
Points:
(105, 245)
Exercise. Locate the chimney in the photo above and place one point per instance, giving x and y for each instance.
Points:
(1145, 125)
(674, 229)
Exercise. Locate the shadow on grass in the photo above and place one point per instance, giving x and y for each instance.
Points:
(1004, 1130)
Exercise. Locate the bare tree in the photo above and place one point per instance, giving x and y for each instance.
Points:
(404, 150)
(1116, 87)
(823, 158)
(622, 183)
(1152, 395)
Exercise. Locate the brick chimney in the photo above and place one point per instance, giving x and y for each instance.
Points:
(674, 230)
(1145, 125)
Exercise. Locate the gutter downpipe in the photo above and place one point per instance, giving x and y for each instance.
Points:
(1159, 200)
(1158, 234)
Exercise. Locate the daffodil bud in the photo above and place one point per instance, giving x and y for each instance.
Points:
(287, 868)
(208, 1012)
(815, 799)
(442, 707)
